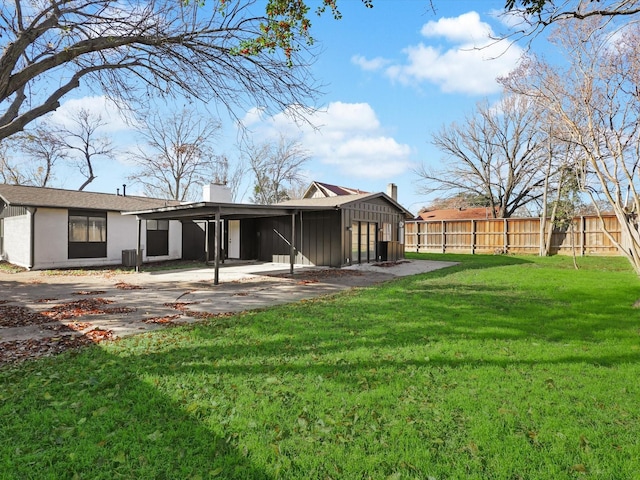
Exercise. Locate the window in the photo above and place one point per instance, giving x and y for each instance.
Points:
(87, 234)
(386, 232)
(157, 237)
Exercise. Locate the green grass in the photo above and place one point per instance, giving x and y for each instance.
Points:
(499, 368)
(7, 267)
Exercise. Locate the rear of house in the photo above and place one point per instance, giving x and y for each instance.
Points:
(54, 228)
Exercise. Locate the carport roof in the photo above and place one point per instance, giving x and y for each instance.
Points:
(235, 211)
(229, 211)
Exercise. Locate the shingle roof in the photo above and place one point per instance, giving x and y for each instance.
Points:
(341, 200)
(19, 195)
(336, 201)
(329, 190)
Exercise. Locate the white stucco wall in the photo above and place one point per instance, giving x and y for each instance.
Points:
(17, 247)
(51, 240)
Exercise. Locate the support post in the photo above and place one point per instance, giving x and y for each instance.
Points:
(292, 248)
(206, 242)
(139, 245)
(216, 271)
(221, 231)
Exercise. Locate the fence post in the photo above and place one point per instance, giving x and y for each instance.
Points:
(505, 237)
(443, 237)
(473, 237)
(583, 235)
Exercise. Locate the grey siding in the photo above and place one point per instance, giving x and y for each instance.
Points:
(193, 241)
(318, 238)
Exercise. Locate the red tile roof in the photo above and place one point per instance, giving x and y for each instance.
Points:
(473, 213)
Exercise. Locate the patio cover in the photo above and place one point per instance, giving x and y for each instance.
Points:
(207, 211)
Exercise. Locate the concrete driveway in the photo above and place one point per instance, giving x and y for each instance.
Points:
(40, 310)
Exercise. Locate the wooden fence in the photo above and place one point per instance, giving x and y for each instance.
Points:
(512, 235)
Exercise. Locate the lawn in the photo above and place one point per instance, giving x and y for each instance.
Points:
(501, 367)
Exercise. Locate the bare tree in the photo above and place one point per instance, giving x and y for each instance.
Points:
(224, 52)
(232, 173)
(85, 143)
(39, 151)
(595, 103)
(178, 156)
(539, 14)
(44, 148)
(277, 169)
(496, 154)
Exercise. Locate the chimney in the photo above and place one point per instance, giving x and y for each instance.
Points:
(392, 191)
(118, 192)
(216, 193)
(124, 190)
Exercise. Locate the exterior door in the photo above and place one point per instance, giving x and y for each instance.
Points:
(364, 241)
(234, 239)
(373, 230)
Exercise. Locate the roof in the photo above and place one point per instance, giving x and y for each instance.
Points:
(25, 196)
(329, 190)
(208, 210)
(474, 213)
(340, 201)
(205, 210)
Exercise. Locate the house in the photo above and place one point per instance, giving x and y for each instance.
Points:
(318, 190)
(331, 231)
(54, 228)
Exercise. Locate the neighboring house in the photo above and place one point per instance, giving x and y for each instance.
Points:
(53, 228)
(472, 213)
(320, 190)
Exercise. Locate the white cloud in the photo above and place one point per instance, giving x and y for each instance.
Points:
(371, 65)
(469, 63)
(346, 136)
(467, 28)
(98, 105)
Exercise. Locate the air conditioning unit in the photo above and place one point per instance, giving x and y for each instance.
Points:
(129, 258)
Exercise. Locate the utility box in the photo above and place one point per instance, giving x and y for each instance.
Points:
(129, 258)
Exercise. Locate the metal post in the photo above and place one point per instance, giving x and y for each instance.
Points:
(292, 249)
(216, 276)
(206, 242)
(221, 232)
(139, 246)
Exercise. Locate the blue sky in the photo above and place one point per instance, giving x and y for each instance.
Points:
(392, 75)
